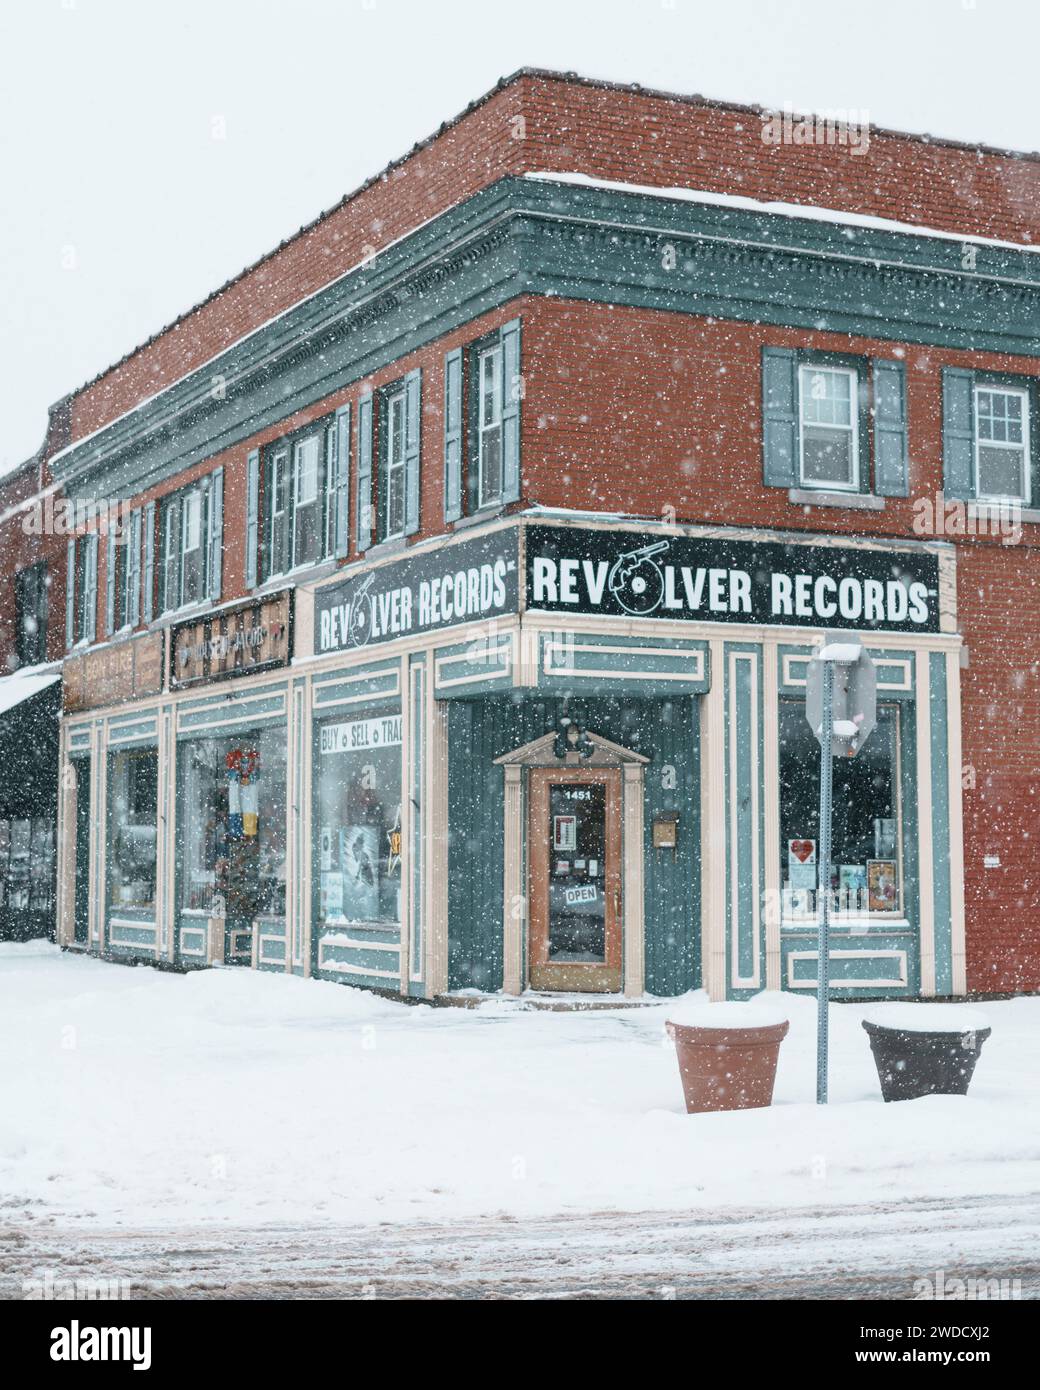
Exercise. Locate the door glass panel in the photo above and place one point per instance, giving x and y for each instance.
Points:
(577, 873)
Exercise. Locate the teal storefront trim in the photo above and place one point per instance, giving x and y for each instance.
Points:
(664, 730)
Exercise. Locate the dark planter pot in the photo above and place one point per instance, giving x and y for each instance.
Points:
(727, 1068)
(924, 1064)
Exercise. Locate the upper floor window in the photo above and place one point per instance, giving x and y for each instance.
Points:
(834, 426)
(483, 393)
(1002, 443)
(31, 592)
(296, 506)
(86, 585)
(191, 526)
(307, 528)
(828, 427)
(991, 447)
(394, 466)
(489, 427)
(193, 555)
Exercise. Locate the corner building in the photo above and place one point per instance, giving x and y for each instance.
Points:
(459, 641)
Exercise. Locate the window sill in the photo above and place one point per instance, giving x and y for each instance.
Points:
(855, 501)
(303, 574)
(397, 545)
(856, 926)
(1007, 510)
(475, 518)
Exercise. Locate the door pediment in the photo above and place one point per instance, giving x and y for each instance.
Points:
(541, 752)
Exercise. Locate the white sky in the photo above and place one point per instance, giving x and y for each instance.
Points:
(119, 209)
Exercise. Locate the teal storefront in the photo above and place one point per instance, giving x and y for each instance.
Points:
(586, 795)
(556, 755)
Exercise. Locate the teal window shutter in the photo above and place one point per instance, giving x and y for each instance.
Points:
(958, 432)
(215, 531)
(453, 435)
(70, 592)
(364, 468)
(148, 542)
(779, 417)
(110, 583)
(512, 395)
(133, 576)
(341, 490)
(90, 594)
(412, 449)
(252, 517)
(891, 455)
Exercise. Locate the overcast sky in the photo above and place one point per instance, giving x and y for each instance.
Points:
(119, 207)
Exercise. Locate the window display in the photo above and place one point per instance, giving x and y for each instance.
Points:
(866, 875)
(133, 785)
(232, 804)
(358, 820)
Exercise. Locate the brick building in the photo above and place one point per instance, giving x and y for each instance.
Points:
(32, 645)
(471, 547)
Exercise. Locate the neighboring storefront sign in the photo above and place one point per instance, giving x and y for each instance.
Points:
(110, 675)
(714, 579)
(476, 579)
(238, 641)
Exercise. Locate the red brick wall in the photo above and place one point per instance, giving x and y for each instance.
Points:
(20, 547)
(635, 411)
(620, 135)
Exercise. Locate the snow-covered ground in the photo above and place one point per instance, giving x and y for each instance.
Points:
(139, 1098)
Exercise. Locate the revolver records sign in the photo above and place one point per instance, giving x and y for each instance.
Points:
(234, 642)
(645, 575)
(474, 579)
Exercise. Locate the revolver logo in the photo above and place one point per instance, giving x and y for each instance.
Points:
(636, 581)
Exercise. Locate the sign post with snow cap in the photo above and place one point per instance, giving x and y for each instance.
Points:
(841, 707)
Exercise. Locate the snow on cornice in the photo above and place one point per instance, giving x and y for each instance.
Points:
(807, 211)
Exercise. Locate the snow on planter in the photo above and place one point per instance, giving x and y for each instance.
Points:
(727, 1053)
(925, 1049)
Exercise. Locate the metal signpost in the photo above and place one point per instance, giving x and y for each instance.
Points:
(841, 707)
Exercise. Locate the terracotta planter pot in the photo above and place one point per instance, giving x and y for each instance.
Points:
(913, 1064)
(727, 1068)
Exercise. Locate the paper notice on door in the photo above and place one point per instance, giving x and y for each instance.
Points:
(565, 832)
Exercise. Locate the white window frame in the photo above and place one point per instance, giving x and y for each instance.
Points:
(311, 442)
(999, 389)
(279, 465)
(88, 596)
(492, 354)
(806, 369)
(395, 435)
(898, 916)
(192, 498)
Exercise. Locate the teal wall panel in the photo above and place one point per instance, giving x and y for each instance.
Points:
(665, 731)
(942, 892)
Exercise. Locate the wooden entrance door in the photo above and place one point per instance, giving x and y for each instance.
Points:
(574, 892)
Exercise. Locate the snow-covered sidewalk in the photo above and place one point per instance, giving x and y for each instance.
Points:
(146, 1098)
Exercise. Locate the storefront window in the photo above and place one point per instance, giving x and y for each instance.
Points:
(866, 836)
(232, 809)
(133, 784)
(26, 866)
(358, 824)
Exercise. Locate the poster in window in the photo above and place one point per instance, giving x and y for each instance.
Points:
(801, 863)
(853, 878)
(359, 862)
(884, 837)
(882, 893)
(332, 895)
